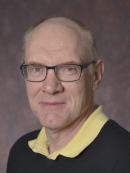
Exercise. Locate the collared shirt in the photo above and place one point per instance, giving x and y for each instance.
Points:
(85, 136)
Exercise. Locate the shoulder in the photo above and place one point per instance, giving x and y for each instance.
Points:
(116, 144)
(23, 141)
(20, 153)
(115, 130)
(115, 139)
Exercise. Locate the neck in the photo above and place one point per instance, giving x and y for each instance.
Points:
(59, 138)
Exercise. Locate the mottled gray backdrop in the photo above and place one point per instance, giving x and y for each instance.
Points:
(108, 19)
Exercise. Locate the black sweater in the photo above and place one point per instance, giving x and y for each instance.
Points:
(108, 153)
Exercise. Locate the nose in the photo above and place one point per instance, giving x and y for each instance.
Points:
(51, 84)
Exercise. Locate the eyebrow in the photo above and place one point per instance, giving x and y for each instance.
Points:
(34, 63)
(37, 63)
(70, 62)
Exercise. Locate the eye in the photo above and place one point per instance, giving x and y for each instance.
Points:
(36, 70)
(68, 69)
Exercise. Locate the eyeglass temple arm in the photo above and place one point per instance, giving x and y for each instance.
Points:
(86, 65)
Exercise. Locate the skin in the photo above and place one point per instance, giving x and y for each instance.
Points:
(61, 107)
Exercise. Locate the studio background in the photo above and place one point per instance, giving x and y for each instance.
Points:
(110, 22)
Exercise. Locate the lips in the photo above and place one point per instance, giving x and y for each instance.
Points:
(52, 104)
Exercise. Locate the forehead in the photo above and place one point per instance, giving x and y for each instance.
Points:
(54, 36)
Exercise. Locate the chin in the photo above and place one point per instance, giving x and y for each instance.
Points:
(50, 124)
(53, 125)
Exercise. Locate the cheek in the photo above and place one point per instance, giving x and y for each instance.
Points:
(83, 91)
(32, 89)
(76, 92)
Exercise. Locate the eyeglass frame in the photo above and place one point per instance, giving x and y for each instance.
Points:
(54, 67)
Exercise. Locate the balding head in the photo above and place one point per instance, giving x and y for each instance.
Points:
(58, 30)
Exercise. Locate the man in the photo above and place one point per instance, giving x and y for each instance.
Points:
(61, 72)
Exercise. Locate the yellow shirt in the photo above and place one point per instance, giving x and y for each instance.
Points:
(85, 136)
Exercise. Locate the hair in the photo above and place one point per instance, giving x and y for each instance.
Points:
(90, 48)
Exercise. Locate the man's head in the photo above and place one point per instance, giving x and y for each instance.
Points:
(59, 41)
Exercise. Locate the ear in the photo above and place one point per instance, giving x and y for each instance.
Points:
(97, 76)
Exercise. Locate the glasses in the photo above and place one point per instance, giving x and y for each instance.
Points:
(63, 72)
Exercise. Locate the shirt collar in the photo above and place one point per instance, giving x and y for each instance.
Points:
(85, 136)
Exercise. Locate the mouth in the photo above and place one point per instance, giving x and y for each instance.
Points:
(52, 104)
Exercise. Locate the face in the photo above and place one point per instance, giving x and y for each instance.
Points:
(57, 104)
